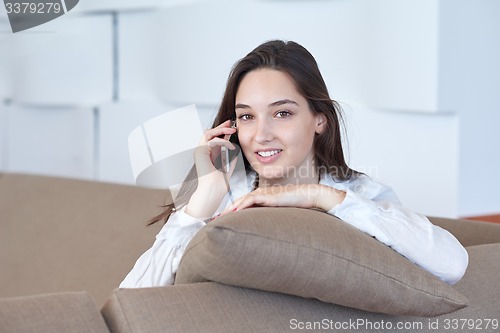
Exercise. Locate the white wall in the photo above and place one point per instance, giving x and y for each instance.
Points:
(51, 141)
(418, 79)
(3, 136)
(5, 61)
(401, 55)
(67, 61)
(416, 154)
(470, 72)
(58, 72)
(5, 86)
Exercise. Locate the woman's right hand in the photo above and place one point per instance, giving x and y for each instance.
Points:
(211, 183)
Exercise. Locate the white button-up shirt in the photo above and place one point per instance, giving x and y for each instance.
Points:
(369, 206)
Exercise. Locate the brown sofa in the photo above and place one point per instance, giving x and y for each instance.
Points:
(66, 244)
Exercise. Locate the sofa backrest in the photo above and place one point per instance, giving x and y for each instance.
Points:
(469, 232)
(69, 235)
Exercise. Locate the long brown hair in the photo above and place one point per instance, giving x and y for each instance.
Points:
(294, 60)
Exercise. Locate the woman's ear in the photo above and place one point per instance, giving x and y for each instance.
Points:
(320, 123)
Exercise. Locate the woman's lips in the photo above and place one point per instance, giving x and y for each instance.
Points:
(268, 156)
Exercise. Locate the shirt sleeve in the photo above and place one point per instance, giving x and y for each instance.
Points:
(158, 265)
(374, 209)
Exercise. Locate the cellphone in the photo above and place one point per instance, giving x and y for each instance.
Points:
(224, 153)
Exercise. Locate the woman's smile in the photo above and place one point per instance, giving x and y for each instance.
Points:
(268, 156)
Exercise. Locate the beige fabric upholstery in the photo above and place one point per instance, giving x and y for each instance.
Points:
(469, 232)
(314, 255)
(70, 235)
(481, 283)
(55, 313)
(212, 307)
(61, 234)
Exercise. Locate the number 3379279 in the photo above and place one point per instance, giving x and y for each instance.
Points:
(33, 8)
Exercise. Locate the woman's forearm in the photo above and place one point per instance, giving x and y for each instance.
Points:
(204, 202)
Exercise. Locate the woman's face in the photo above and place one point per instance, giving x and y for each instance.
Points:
(276, 128)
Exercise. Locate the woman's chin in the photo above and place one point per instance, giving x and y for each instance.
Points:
(271, 173)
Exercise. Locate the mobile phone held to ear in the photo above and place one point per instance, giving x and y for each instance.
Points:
(224, 154)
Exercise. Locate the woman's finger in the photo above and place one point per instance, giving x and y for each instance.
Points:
(222, 129)
(298, 196)
(218, 142)
(210, 150)
(257, 199)
(251, 199)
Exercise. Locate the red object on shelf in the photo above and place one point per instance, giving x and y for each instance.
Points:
(485, 218)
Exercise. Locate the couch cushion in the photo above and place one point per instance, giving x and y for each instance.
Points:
(52, 313)
(60, 234)
(481, 283)
(314, 255)
(213, 307)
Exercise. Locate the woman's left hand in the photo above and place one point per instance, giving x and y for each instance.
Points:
(303, 196)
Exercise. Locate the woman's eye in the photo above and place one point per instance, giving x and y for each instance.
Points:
(283, 114)
(245, 117)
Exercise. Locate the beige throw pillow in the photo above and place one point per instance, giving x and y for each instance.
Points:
(312, 254)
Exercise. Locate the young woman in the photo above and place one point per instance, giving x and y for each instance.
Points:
(288, 129)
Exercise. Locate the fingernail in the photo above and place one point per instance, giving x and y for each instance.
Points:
(236, 208)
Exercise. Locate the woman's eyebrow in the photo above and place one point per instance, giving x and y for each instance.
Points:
(241, 106)
(277, 103)
(282, 102)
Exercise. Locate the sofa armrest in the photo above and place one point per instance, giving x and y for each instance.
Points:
(468, 232)
(62, 312)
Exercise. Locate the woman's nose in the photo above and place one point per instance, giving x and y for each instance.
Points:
(263, 131)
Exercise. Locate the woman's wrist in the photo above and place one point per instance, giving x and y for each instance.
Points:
(328, 197)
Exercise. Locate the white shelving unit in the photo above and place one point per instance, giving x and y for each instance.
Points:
(419, 80)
